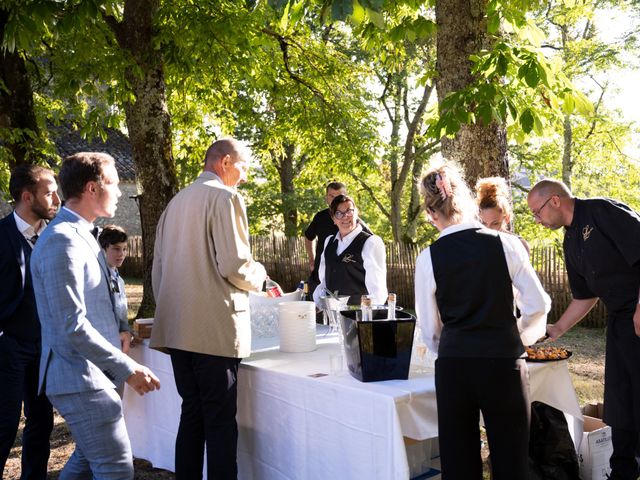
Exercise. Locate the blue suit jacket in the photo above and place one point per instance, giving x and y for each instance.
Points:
(80, 337)
(18, 315)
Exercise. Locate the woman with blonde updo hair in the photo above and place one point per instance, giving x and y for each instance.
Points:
(464, 305)
(492, 197)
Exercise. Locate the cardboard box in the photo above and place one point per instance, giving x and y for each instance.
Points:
(595, 450)
(418, 456)
(142, 327)
(595, 410)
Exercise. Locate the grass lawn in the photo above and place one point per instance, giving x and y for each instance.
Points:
(587, 362)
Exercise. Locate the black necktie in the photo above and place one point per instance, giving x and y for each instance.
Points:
(95, 231)
(34, 239)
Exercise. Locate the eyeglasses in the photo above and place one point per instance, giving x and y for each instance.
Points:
(347, 213)
(536, 214)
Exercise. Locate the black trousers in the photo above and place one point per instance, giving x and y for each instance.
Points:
(208, 387)
(626, 453)
(19, 363)
(497, 387)
(622, 395)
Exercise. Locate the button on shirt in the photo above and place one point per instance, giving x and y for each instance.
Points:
(530, 297)
(375, 266)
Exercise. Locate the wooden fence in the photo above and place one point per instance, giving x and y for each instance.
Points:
(286, 262)
(132, 266)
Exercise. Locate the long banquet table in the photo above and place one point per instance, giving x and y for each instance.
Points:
(294, 424)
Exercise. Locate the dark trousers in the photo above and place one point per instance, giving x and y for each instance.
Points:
(19, 363)
(626, 449)
(622, 395)
(499, 389)
(208, 387)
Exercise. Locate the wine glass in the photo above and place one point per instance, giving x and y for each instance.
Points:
(425, 357)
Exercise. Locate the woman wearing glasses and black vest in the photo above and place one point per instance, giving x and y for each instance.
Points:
(353, 261)
(464, 305)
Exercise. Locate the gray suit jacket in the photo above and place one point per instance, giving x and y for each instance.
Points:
(80, 338)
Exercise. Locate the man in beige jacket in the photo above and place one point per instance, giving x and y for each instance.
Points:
(202, 273)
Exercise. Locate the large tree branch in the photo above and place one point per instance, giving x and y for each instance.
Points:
(603, 89)
(300, 163)
(383, 99)
(426, 147)
(284, 48)
(619, 150)
(369, 190)
(117, 27)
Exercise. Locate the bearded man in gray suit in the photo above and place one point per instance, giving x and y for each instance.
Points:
(202, 273)
(82, 362)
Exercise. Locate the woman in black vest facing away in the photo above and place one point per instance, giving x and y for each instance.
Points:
(464, 305)
(353, 261)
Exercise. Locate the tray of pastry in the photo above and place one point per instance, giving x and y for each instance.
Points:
(540, 353)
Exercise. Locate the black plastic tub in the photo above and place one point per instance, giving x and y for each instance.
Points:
(380, 349)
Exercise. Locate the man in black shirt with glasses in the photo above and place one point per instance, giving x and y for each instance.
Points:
(602, 257)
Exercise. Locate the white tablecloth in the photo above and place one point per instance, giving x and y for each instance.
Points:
(293, 426)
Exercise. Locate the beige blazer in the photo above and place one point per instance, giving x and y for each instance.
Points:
(203, 271)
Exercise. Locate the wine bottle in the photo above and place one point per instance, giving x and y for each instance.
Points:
(305, 293)
(365, 308)
(273, 289)
(391, 306)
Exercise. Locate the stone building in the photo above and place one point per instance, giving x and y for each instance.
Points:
(69, 141)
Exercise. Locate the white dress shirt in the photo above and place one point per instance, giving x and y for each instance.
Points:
(530, 297)
(374, 259)
(26, 229)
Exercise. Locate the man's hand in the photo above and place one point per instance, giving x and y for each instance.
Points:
(125, 341)
(636, 320)
(142, 380)
(554, 332)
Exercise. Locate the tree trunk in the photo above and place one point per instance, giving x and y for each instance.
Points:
(395, 116)
(149, 124)
(567, 163)
(285, 167)
(414, 208)
(16, 105)
(462, 31)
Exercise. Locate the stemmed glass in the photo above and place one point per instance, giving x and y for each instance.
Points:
(332, 306)
(426, 358)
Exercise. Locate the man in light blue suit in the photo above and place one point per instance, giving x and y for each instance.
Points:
(82, 362)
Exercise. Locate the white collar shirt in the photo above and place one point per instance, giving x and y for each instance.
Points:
(374, 260)
(26, 229)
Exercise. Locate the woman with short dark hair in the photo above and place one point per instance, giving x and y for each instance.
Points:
(353, 261)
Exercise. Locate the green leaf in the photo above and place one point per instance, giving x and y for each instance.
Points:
(284, 20)
(527, 120)
(358, 15)
(375, 5)
(568, 105)
(484, 113)
(513, 111)
(277, 4)
(531, 75)
(537, 125)
(341, 9)
(493, 23)
(582, 104)
(501, 65)
(376, 18)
